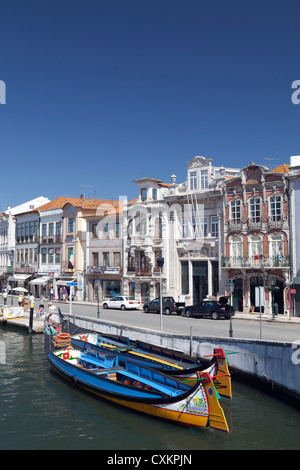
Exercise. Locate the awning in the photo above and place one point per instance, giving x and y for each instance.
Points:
(62, 282)
(19, 277)
(39, 281)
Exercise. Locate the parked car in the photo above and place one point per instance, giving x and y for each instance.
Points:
(210, 308)
(168, 306)
(121, 302)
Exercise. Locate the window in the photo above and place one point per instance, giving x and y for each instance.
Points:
(276, 207)
(235, 210)
(44, 255)
(44, 230)
(31, 229)
(255, 247)
(117, 259)
(58, 231)
(158, 227)
(157, 254)
(214, 226)
(94, 231)
(51, 229)
(50, 255)
(35, 255)
(36, 227)
(204, 179)
(70, 255)
(131, 266)
(70, 225)
(18, 232)
(236, 248)
(111, 289)
(57, 256)
(185, 228)
(255, 209)
(105, 259)
(195, 227)
(275, 243)
(154, 194)
(184, 277)
(27, 230)
(95, 259)
(117, 229)
(144, 194)
(132, 290)
(204, 226)
(193, 180)
(105, 231)
(145, 291)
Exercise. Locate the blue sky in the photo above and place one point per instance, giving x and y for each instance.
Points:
(102, 92)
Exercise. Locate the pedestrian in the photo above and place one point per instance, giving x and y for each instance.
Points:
(51, 293)
(65, 293)
(279, 255)
(21, 299)
(31, 303)
(5, 297)
(61, 293)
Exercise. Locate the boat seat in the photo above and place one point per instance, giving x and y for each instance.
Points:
(100, 370)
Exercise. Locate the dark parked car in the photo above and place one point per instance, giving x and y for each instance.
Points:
(168, 304)
(210, 308)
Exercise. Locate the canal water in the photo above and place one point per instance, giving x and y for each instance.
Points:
(39, 411)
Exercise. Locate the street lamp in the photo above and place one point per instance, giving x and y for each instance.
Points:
(160, 264)
(230, 288)
(273, 282)
(97, 285)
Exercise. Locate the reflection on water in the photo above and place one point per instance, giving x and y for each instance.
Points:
(40, 411)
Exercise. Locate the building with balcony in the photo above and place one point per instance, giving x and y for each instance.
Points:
(256, 236)
(294, 198)
(180, 223)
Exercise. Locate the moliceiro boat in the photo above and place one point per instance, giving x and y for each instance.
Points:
(137, 386)
(162, 359)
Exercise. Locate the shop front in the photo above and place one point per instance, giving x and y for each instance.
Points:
(107, 280)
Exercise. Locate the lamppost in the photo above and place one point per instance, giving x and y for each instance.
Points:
(160, 264)
(230, 288)
(273, 282)
(97, 285)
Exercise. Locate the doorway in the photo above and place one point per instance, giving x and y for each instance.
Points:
(200, 282)
(237, 296)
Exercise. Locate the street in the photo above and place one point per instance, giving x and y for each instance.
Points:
(242, 328)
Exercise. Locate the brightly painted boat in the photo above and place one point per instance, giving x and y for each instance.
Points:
(9, 313)
(162, 359)
(139, 387)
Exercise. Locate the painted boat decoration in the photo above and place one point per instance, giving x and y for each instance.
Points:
(138, 387)
(170, 362)
(8, 313)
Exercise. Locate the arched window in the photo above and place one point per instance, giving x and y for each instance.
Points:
(255, 209)
(255, 247)
(275, 245)
(236, 250)
(132, 290)
(236, 210)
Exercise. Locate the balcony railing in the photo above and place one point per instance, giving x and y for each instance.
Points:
(50, 239)
(146, 271)
(257, 261)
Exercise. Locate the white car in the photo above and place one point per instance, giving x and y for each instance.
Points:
(121, 302)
